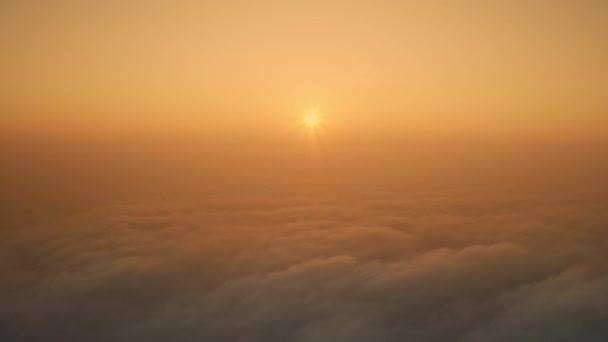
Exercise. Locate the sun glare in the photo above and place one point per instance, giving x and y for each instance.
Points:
(312, 119)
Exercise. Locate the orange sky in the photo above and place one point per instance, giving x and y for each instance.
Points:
(130, 96)
(374, 68)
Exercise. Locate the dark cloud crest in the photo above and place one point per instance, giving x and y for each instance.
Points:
(460, 268)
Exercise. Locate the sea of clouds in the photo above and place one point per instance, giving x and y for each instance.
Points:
(430, 266)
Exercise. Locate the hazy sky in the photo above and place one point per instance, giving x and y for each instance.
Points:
(119, 96)
(373, 68)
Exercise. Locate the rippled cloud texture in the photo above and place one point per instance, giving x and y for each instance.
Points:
(434, 266)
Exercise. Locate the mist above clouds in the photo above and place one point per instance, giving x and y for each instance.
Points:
(434, 266)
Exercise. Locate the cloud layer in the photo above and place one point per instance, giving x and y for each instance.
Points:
(435, 266)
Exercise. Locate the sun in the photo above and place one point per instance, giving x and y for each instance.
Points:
(311, 119)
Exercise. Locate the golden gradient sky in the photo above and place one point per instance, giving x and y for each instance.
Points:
(374, 68)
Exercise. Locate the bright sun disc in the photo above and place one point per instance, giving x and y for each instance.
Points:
(312, 119)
